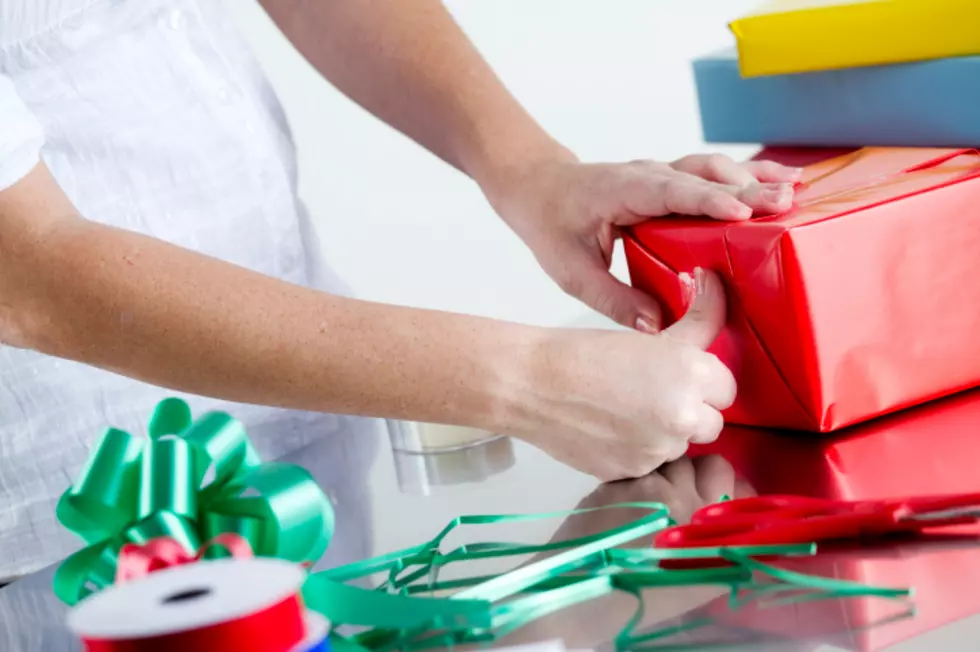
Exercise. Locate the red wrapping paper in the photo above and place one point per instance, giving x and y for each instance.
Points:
(925, 451)
(858, 302)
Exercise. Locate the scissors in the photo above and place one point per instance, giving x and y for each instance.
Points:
(784, 519)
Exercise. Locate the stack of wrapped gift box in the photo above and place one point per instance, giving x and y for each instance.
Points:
(862, 300)
(854, 319)
(838, 73)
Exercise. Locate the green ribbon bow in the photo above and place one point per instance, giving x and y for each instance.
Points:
(191, 480)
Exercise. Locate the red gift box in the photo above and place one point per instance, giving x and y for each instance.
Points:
(925, 451)
(858, 302)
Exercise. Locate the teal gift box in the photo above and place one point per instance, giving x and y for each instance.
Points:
(924, 104)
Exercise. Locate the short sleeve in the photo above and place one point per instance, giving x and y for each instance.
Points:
(21, 136)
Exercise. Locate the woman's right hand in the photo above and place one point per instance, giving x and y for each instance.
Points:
(621, 404)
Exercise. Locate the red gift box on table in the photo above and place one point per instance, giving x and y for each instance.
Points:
(858, 302)
(929, 450)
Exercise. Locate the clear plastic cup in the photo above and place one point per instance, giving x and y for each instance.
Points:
(429, 456)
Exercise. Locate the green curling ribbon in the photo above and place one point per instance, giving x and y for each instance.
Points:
(482, 609)
(191, 480)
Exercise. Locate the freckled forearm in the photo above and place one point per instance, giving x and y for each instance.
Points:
(149, 310)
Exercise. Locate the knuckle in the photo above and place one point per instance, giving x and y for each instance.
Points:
(771, 169)
(658, 189)
(648, 165)
(655, 183)
(724, 374)
(693, 358)
(677, 452)
(717, 199)
(686, 162)
(683, 421)
(711, 432)
(711, 436)
(711, 194)
(716, 161)
(634, 181)
(681, 194)
(701, 369)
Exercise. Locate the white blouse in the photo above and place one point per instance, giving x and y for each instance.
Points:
(153, 116)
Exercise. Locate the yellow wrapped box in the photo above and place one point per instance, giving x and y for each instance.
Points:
(788, 36)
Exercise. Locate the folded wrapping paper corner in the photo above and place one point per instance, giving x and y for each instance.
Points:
(189, 482)
(921, 104)
(791, 36)
(851, 305)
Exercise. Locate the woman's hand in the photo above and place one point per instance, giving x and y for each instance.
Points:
(570, 215)
(621, 404)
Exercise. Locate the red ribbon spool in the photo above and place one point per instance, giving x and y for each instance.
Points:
(280, 627)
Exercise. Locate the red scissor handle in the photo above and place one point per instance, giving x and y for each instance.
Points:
(778, 531)
(783, 519)
(775, 507)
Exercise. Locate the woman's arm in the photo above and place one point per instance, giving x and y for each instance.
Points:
(111, 298)
(609, 403)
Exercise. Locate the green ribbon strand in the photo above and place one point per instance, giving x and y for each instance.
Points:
(190, 481)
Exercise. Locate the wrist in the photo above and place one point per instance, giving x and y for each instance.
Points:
(514, 379)
(502, 167)
(534, 381)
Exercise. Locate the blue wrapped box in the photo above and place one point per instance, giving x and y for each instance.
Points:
(923, 104)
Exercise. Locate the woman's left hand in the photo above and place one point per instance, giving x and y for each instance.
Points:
(570, 215)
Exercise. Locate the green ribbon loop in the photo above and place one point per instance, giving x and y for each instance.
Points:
(191, 480)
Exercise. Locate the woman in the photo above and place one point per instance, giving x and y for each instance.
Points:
(150, 236)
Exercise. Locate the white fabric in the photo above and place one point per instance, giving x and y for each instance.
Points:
(20, 136)
(156, 119)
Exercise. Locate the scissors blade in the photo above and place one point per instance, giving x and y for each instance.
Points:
(956, 513)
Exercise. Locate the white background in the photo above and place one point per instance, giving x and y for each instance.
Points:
(610, 78)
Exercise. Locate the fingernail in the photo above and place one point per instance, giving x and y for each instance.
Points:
(796, 173)
(700, 280)
(646, 324)
(688, 282)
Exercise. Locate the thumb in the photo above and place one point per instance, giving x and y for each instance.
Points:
(704, 320)
(623, 304)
